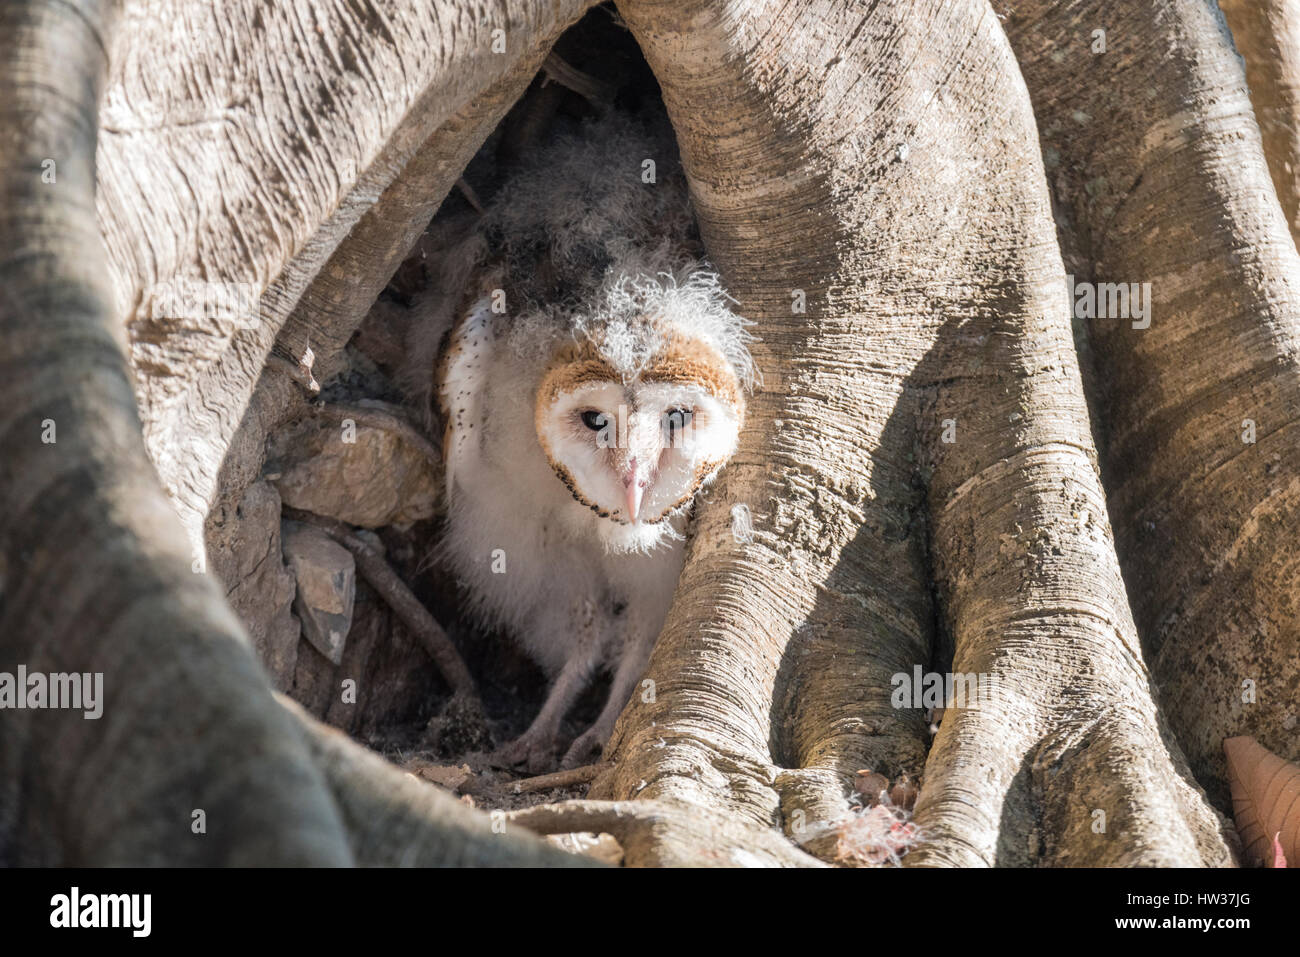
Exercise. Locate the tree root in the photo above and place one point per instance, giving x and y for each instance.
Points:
(392, 819)
(662, 834)
(753, 722)
(1206, 529)
(559, 779)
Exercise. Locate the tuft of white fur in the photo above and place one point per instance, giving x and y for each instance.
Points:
(650, 284)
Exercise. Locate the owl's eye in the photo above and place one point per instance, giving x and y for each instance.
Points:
(676, 421)
(594, 420)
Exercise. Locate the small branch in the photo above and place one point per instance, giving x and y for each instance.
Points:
(527, 123)
(595, 91)
(568, 817)
(395, 821)
(471, 197)
(384, 580)
(615, 17)
(560, 779)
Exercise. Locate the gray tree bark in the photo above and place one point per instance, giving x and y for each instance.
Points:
(96, 573)
(919, 469)
(1156, 159)
(1267, 35)
(802, 130)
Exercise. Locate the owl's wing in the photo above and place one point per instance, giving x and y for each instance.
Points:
(463, 369)
(453, 251)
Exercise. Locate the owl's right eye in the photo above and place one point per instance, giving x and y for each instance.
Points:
(594, 420)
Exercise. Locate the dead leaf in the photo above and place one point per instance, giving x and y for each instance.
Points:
(448, 776)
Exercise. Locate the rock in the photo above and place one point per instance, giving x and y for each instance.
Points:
(243, 541)
(358, 474)
(393, 680)
(327, 587)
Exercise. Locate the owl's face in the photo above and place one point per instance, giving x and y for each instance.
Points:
(636, 449)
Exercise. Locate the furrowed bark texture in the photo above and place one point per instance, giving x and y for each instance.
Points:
(95, 574)
(340, 295)
(95, 569)
(768, 696)
(1156, 160)
(803, 129)
(1267, 35)
(247, 154)
(917, 468)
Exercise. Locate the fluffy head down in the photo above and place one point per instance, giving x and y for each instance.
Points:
(597, 240)
(636, 448)
(641, 364)
(642, 397)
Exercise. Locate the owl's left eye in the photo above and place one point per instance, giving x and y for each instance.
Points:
(594, 420)
(675, 422)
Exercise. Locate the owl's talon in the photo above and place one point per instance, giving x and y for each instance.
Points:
(585, 750)
(535, 752)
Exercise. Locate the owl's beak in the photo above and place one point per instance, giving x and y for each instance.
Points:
(634, 487)
(634, 492)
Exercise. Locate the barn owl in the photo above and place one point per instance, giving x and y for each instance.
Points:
(591, 378)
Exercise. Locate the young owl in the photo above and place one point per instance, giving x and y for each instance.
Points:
(591, 382)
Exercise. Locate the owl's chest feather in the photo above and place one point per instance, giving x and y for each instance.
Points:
(549, 584)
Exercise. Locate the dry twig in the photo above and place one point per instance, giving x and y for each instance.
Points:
(560, 779)
(375, 569)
